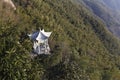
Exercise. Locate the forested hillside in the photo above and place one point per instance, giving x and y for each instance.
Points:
(81, 46)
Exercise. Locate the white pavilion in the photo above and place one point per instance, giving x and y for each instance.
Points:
(40, 42)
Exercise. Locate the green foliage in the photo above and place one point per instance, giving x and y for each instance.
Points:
(81, 46)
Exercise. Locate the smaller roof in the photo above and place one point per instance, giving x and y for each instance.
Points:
(47, 34)
(34, 35)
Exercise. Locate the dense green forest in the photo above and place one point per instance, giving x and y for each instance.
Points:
(81, 46)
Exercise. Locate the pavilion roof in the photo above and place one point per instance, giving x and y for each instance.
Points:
(40, 35)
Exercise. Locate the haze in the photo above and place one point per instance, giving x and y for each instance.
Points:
(113, 4)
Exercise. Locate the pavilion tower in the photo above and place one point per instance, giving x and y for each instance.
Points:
(40, 42)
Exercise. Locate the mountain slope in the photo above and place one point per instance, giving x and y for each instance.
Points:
(82, 48)
(107, 12)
